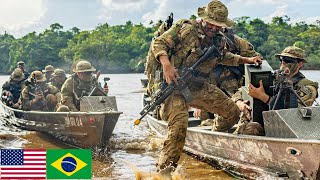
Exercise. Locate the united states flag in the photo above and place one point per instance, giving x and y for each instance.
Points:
(23, 164)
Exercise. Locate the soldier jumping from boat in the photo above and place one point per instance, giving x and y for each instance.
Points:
(188, 39)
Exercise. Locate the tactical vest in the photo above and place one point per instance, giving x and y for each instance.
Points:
(189, 46)
(289, 100)
(233, 47)
(153, 66)
(80, 89)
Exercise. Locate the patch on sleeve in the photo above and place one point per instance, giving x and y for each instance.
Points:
(305, 91)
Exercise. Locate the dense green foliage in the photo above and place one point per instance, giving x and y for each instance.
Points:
(119, 48)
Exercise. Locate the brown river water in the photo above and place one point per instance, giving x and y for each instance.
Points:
(133, 151)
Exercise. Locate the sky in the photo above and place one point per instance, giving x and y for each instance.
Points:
(19, 17)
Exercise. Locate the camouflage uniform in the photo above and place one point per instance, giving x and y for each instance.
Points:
(51, 94)
(58, 73)
(74, 89)
(305, 88)
(186, 38)
(48, 70)
(229, 78)
(13, 85)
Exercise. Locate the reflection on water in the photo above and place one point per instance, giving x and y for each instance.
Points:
(133, 151)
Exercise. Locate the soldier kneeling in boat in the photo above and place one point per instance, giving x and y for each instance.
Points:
(291, 61)
(81, 83)
(58, 78)
(38, 95)
(12, 88)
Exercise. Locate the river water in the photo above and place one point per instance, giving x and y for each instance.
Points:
(133, 151)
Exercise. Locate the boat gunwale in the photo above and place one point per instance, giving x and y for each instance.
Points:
(242, 136)
(66, 113)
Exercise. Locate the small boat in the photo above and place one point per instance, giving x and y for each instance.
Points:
(89, 128)
(284, 152)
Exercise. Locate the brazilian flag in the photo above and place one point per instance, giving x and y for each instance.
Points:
(69, 164)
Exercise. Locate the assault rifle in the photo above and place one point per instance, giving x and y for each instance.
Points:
(284, 88)
(168, 22)
(183, 82)
(37, 91)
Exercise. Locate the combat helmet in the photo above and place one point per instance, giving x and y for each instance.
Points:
(39, 76)
(215, 13)
(293, 52)
(20, 63)
(17, 75)
(59, 73)
(83, 66)
(48, 68)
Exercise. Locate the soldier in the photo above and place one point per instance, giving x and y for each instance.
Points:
(81, 83)
(186, 39)
(58, 78)
(12, 88)
(229, 78)
(291, 60)
(22, 66)
(48, 70)
(38, 95)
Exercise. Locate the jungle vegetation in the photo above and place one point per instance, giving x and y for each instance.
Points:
(120, 48)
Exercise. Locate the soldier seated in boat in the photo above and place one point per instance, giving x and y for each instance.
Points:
(48, 70)
(291, 61)
(58, 78)
(21, 65)
(38, 95)
(81, 83)
(11, 89)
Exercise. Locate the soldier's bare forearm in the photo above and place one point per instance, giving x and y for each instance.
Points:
(252, 60)
(246, 60)
(165, 61)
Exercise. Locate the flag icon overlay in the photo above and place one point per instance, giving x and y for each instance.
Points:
(22, 164)
(69, 164)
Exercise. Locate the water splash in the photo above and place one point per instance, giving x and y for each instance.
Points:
(151, 144)
(178, 174)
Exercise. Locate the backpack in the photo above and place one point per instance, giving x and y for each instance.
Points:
(153, 68)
